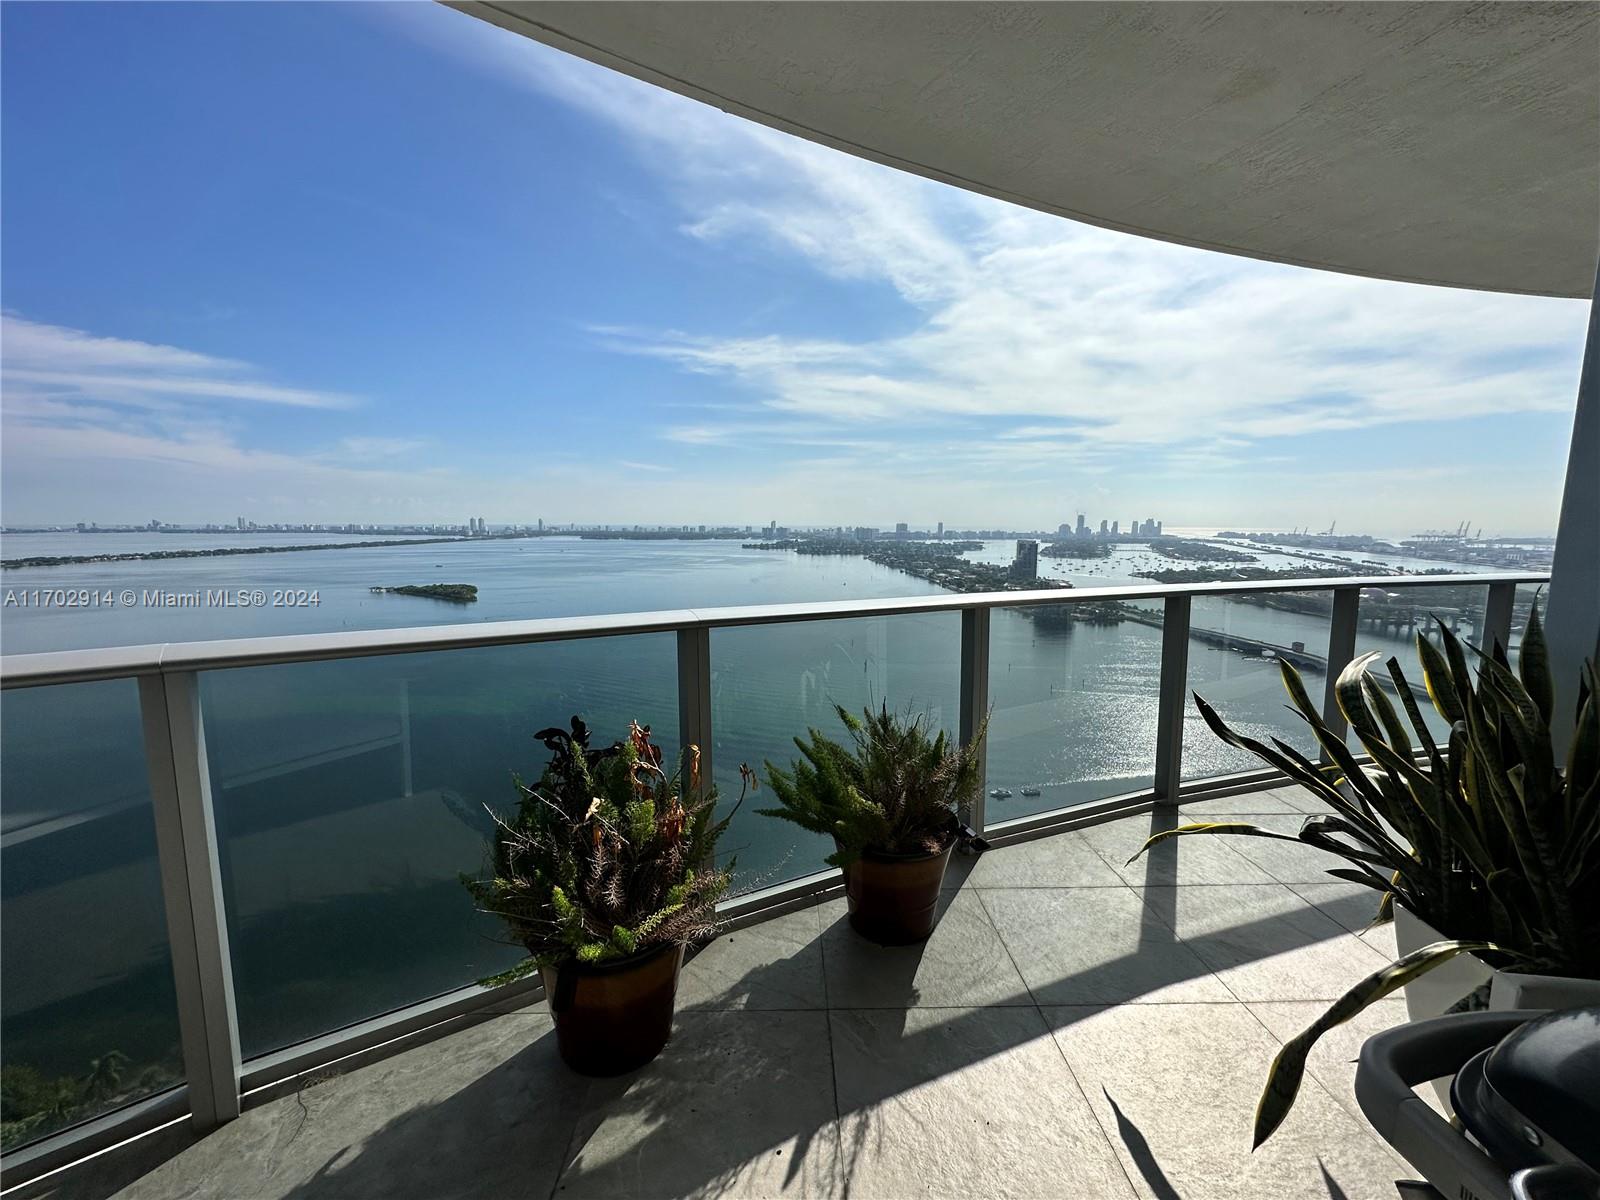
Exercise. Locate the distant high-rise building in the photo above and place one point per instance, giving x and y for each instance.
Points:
(241, 522)
(941, 528)
(1104, 529)
(902, 528)
(541, 524)
(1083, 526)
(1114, 530)
(1158, 529)
(1026, 563)
(1063, 530)
(483, 526)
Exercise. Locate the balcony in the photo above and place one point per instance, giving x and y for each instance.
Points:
(239, 860)
(1075, 1027)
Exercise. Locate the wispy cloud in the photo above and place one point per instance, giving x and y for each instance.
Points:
(1121, 342)
(75, 367)
(377, 447)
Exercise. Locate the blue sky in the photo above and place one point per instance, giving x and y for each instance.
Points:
(388, 263)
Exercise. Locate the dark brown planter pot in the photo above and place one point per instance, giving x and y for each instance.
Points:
(894, 898)
(613, 1017)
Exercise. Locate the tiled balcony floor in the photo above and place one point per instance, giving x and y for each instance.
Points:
(1075, 1028)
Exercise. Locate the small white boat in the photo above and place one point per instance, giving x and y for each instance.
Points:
(1030, 791)
(1000, 794)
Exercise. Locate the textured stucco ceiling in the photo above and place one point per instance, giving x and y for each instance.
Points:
(1442, 143)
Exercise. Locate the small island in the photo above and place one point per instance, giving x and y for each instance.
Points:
(455, 593)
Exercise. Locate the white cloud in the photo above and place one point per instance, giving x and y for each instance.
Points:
(377, 447)
(74, 367)
(1027, 317)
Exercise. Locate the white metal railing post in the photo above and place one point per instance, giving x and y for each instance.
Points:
(1172, 691)
(1341, 650)
(191, 887)
(694, 695)
(975, 699)
(1497, 617)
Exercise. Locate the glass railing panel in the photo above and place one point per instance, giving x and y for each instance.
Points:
(351, 795)
(1389, 621)
(770, 683)
(87, 1002)
(1073, 693)
(1235, 647)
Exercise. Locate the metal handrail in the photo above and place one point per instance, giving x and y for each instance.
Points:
(117, 662)
(186, 834)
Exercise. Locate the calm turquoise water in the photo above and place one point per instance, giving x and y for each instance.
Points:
(349, 796)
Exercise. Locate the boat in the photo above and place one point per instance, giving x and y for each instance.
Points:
(1000, 794)
(1030, 791)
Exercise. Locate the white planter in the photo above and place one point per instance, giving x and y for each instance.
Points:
(1512, 989)
(1442, 988)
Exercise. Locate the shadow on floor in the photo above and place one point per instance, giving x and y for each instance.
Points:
(1144, 1159)
(727, 1107)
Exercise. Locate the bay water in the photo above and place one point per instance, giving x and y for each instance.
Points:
(350, 796)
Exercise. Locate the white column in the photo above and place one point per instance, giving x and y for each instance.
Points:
(1573, 616)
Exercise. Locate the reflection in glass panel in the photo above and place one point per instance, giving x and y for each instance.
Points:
(1073, 691)
(1234, 649)
(350, 796)
(87, 1004)
(772, 682)
(1389, 621)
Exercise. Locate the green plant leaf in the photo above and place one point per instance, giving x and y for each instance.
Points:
(1238, 827)
(1533, 664)
(1395, 731)
(521, 971)
(1436, 675)
(1289, 1065)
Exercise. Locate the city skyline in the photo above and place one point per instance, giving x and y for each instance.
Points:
(605, 300)
(1082, 527)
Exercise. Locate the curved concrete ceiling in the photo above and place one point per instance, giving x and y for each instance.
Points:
(1446, 143)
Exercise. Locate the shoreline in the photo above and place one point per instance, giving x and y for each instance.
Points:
(63, 560)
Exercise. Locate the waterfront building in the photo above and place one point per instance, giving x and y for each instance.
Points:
(1025, 564)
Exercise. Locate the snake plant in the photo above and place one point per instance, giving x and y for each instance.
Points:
(1482, 834)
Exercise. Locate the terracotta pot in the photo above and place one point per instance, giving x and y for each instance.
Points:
(613, 1017)
(894, 898)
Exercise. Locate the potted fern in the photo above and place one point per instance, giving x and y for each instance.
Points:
(1486, 845)
(889, 799)
(604, 874)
